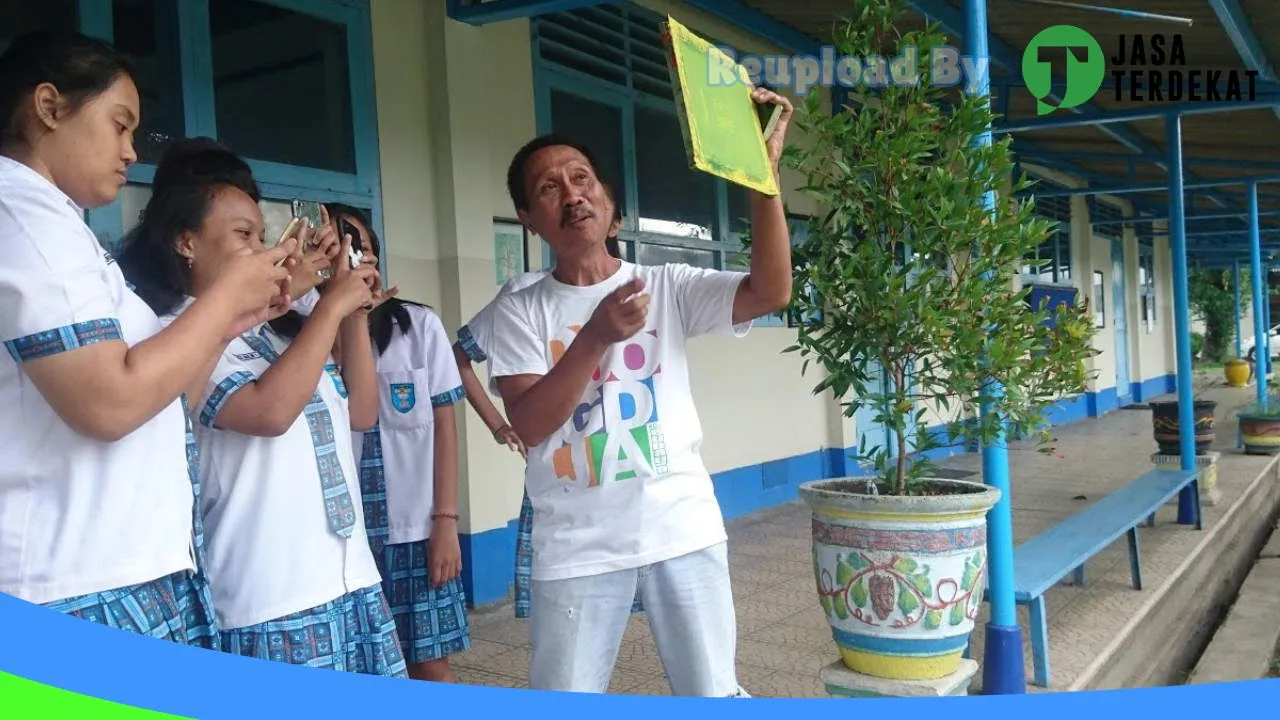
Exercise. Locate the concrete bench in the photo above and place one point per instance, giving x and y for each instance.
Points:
(1041, 562)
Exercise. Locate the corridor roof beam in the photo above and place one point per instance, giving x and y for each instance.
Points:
(1032, 155)
(1001, 54)
(1156, 112)
(1154, 187)
(1237, 27)
(1141, 219)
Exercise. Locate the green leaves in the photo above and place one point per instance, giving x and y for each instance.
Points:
(933, 620)
(858, 593)
(905, 280)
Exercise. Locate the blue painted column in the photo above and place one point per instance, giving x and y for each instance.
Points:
(1003, 671)
(1260, 305)
(1235, 289)
(1266, 309)
(1181, 312)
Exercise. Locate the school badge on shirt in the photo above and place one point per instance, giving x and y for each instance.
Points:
(403, 397)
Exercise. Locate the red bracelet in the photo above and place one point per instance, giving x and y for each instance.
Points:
(451, 516)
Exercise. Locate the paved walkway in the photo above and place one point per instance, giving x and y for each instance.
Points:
(784, 638)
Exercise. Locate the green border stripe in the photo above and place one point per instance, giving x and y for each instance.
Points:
(21, 699)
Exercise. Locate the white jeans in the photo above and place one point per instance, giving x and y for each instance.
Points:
(576, 626)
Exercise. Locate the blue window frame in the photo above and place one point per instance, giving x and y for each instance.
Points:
(1110, 214)
(600, 74)
(288, 84)
(1050, 264)
(1147, 286)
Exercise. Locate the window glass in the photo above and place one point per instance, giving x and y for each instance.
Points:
(147, 31)
(651, 254)
(674, 199)
(597, 126)
(20, 18)
(282, 85)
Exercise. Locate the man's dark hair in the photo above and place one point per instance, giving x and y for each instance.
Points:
(515, 171)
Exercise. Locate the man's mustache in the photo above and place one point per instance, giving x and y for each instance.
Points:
(575, 214)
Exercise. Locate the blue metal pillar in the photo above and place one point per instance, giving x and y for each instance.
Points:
(1003, 671)
(1182, 313)
(1260, 305)
(1235, 289)
(1266, 310)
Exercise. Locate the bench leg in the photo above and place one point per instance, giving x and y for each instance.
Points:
(1151, 520)
(1079, 576)
(1195, 485)
(1135, 560)
(1039, 642)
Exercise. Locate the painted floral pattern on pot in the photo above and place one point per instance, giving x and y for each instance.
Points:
(901, 593)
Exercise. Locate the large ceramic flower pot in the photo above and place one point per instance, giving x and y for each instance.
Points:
(1261, 435)
(1166, 426)
(900, 577)
(1237, 372)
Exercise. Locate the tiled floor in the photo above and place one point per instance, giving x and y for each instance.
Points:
(783, 636)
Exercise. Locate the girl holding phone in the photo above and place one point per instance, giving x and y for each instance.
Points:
(292, 575)
(409, 475)
(96, 501)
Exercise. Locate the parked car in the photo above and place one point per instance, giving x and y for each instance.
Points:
(1247, 345)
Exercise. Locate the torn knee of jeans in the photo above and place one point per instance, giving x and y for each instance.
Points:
(739, 693)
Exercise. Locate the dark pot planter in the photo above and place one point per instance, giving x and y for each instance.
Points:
(1166, 427)
(1261, 435)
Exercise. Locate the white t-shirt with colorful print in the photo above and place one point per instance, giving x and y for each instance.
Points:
(622, 483)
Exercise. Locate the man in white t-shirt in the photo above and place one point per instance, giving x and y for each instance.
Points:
(590, 362)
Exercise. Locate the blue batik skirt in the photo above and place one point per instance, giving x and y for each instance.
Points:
(354, 633)
(431, 621)
(176, 607)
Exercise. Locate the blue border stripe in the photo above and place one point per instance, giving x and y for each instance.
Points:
(901, 647)
(467, 342)
(448, 398)
(62, 339)
(191, 682)
(222, 393)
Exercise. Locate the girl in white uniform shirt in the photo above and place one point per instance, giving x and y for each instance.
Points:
(409, 477)
(96, 502)
(293, 577)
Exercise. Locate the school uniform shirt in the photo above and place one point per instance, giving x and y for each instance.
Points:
(307, 303)
(270, 549)
(477, 334)
(621, 484)
(416, 374)
(77, 515)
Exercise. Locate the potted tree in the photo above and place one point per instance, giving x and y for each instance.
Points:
(906, 276)
(1260, 428)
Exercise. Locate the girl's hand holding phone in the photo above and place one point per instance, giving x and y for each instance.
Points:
(350, 290)
(315, 266)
